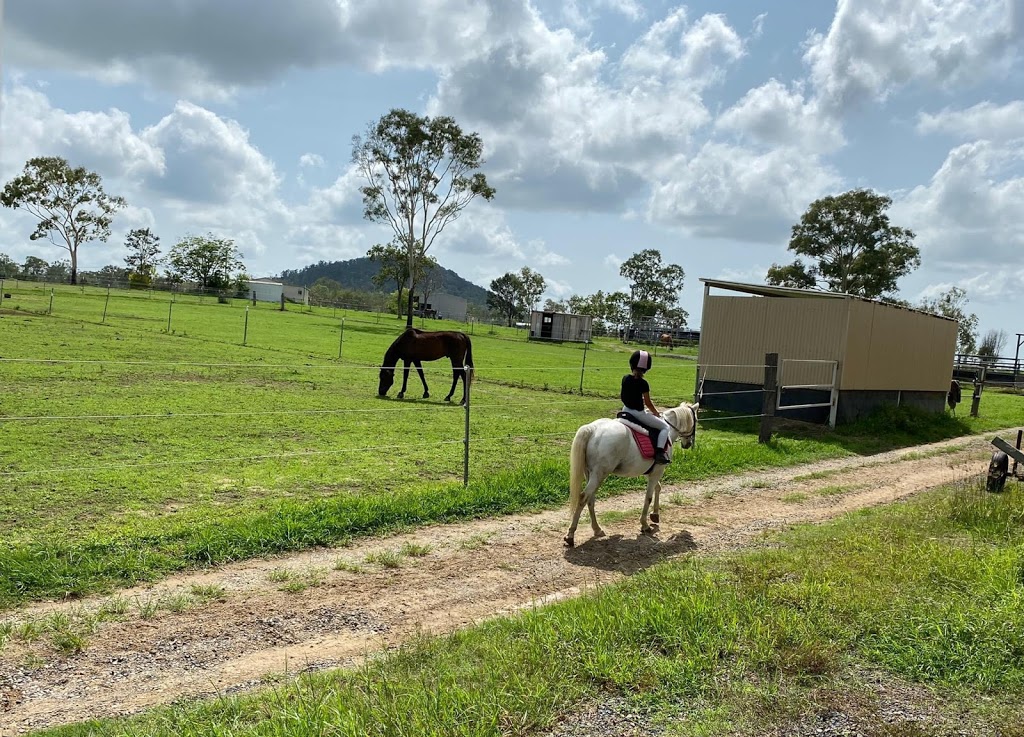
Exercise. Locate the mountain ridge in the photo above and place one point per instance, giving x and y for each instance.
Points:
(358, 274)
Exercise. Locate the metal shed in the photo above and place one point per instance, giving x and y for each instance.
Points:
(560, 326)
(840, 355)
(265, 290)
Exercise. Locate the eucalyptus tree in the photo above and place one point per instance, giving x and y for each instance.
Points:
(420, 175)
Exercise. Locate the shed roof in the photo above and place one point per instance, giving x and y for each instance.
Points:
(770, 290)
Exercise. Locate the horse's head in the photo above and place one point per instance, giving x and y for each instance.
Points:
(387, 378)
(683, 420)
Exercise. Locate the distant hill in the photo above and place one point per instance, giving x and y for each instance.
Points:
(358, 274)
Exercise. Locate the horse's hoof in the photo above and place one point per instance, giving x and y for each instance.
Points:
(569, 542)
(401, 395)
(426, 395)
(599, 533)
(655, 518)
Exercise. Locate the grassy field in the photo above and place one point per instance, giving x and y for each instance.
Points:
(924, 592)
(127, 452)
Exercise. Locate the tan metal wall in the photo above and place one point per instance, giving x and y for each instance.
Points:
(892, 348)
(740, 330)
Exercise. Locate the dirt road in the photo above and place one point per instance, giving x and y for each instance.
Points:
(265, 624)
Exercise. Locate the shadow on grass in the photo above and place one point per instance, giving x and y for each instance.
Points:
(628, 555)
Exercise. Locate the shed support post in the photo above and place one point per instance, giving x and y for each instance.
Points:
(833, 411)
(768, 401)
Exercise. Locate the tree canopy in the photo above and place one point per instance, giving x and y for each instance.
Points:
(211, 262)
(514, 294)
(506, 296)
(69, 203)
(394, 268)
(420, 174)
(143, 248)
(851, 247)
(953, 303)
(653, 287)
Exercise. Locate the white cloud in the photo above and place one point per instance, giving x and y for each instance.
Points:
(985, 120)
(311, 160)
(774, 115)
(565, 127)
(100, 141)
(968, 217)
(729, 191)
(613, 261)
(874, 47)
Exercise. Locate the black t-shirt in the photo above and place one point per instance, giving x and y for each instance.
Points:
(633, 390)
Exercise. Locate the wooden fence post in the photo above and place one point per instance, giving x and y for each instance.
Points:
(771, 375)
(979, 385)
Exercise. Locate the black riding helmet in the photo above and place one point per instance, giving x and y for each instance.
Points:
(640, 360)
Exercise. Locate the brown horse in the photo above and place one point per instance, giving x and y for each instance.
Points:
(665, 339)
(415, 345)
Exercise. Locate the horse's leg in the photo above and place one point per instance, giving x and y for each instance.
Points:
(656, 514)
(419, 369)
(405, 380)
(589, 493)
(653, 479)
(455, 383)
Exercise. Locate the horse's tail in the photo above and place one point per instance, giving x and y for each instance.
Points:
(467, 362)
(578, 467)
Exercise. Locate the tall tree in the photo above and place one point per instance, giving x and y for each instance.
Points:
(953, 303)
(533, 285)
(992, 344)
(506, 296)
(143, 257)
(420, 174)
(69, 204)
(394, 267)
(653, 287)
(8, 267)
(213, 263)
(851, 246)
(34, 268)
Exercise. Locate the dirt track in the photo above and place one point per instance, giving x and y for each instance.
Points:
(256, 632)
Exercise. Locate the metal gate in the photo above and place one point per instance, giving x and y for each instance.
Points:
(829, 367)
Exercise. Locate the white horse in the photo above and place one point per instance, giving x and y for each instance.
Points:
(604, 447)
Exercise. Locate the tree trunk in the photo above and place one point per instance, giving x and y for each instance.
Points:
(408, 314)
(74, 265)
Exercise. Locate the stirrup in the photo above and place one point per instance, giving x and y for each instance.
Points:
(661, 459)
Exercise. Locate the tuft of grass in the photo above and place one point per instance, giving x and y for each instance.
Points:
(833, 490)
(474, 542)
(208, 592)
(795, 498)
(385, 559)
(344, 565)
(415, 550)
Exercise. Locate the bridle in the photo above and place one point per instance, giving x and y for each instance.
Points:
(692, 434)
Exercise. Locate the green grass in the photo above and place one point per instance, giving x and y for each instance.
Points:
(173, 467)
(928, 591)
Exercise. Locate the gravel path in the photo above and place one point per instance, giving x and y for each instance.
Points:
(356, 605)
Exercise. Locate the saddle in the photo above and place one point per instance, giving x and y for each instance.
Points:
(641, 434)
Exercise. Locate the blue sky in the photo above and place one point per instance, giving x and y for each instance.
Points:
(703, 130)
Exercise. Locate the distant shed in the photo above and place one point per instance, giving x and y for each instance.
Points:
(560, 326)
(840, 356)
(265, 290)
